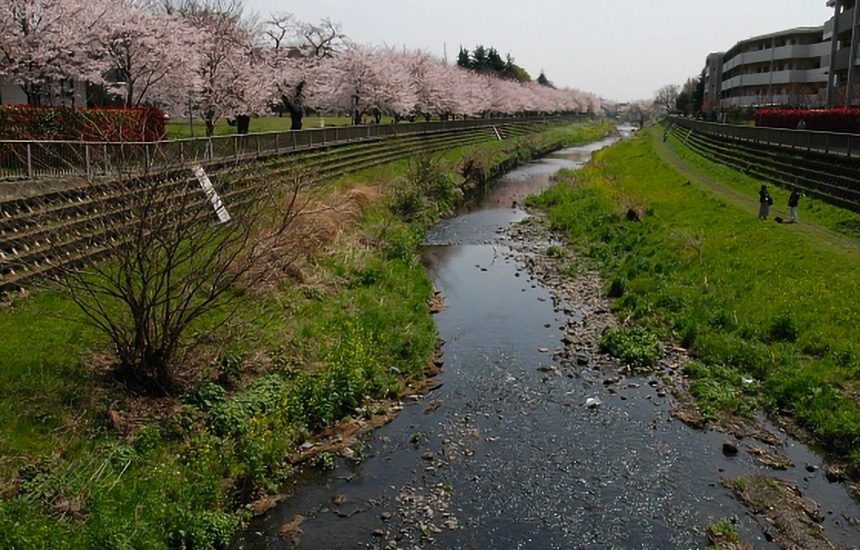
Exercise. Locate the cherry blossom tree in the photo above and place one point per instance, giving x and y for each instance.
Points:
(366, 80)
(154, 56)
(297, 50)
(232, 72)
(433, 82)
(47, 42)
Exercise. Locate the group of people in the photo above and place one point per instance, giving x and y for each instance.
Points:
(766, 201)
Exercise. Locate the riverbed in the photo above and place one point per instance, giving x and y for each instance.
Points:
(507, 453)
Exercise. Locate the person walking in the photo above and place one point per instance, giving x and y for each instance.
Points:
(793, 201)
(764, 200)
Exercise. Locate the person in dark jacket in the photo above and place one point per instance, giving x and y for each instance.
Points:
(793, 201)
(764, 200)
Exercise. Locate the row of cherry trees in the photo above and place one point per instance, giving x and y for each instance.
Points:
(203, 55)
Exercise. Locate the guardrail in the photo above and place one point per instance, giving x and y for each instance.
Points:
(828, 143)
(35, 160)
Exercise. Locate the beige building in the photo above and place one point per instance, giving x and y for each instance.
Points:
(843, 61)
(808, 67)
(781, 68)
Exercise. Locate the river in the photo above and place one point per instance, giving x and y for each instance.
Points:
(505, 454)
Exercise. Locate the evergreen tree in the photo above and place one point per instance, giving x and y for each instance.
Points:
(699, 94)
(463, 59)
(495, 62)
(544, 81)
(480, 60)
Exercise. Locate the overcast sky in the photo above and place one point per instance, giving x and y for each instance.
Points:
(618, 49)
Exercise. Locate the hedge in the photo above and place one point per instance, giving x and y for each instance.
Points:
(112, 124)
(832, 120)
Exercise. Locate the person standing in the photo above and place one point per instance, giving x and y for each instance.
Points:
(764, 200)
(793, 201)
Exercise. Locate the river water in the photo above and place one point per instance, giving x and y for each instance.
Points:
(503, 455)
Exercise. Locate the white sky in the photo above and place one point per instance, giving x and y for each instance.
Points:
(619, 49)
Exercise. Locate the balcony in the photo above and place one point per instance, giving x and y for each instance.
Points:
(842, 57)
(816, 76)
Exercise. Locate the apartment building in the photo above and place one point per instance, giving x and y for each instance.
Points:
(843, 62)
(781, 68)
(802, 67)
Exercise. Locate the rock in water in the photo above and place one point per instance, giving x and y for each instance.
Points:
(593, 403)
(730, 449)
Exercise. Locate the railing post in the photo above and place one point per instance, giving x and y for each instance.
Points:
(257, 143)
(87, 160)
(278, 142)
(850, 141)
(30, 161)
(295, 145)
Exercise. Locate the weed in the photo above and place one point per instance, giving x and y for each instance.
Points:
(634, 346)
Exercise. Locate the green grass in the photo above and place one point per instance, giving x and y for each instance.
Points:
(181, 128)
(811, 210)
(286, 364)
(770, 311)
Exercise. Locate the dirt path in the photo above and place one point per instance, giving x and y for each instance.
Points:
(745, 202)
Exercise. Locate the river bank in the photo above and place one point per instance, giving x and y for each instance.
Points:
(324, 348)
(739, 305)
(535, 437)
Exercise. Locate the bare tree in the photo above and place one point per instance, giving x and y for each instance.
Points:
(323, 40)
(667, 96)
(280, 29)
(169, 260)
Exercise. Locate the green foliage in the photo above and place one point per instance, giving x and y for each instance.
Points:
(784, 328)
(723, 534)
(634, 346)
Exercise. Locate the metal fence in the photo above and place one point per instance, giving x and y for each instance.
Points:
(34, 160)
(830, 143)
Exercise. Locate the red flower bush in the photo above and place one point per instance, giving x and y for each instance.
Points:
(111, 124)
(831, 120)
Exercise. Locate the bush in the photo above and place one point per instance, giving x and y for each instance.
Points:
(832, 120)
(635, 346)
(76, 124)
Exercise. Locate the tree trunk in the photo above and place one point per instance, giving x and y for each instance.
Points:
(243, 123)
(210, 124)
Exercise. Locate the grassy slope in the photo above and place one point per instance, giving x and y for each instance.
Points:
(771, 311)
(814, 211)
(297, 359)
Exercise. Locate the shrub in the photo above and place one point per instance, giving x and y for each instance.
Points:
(784, 328)
(76, 124)
(831, 120)
(635, 346)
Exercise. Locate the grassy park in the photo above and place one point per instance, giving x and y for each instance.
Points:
(769, 312)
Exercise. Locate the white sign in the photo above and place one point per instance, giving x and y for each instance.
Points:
(211, 194)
